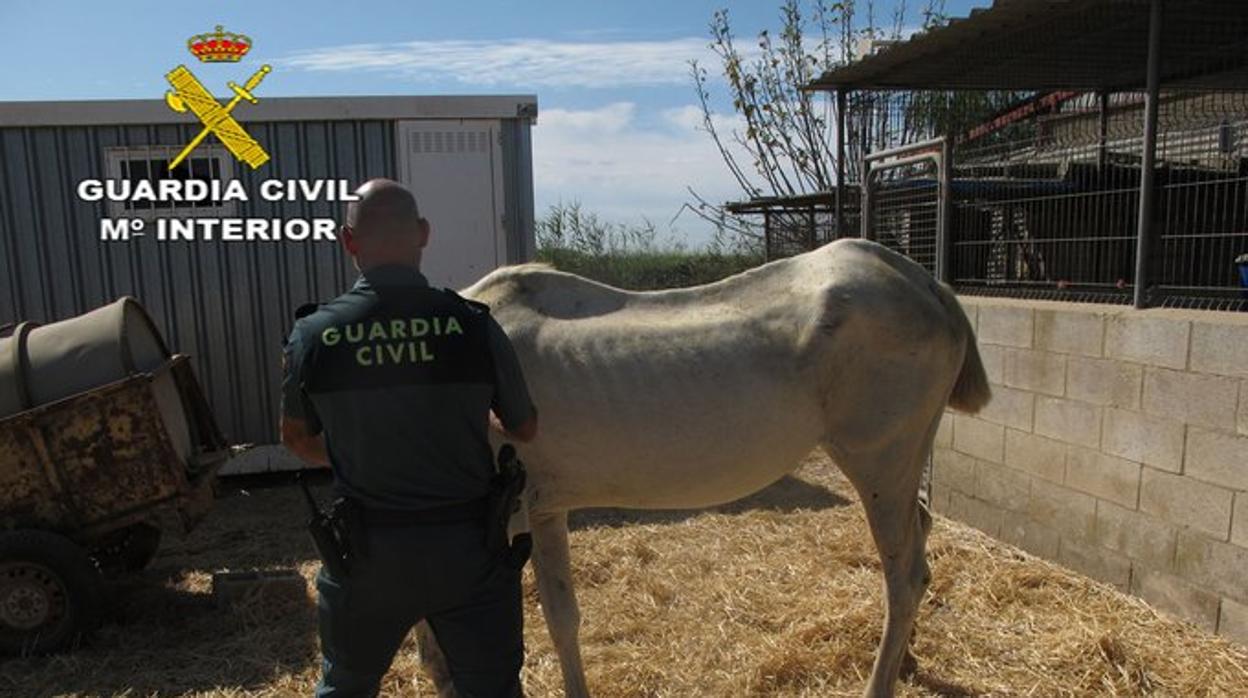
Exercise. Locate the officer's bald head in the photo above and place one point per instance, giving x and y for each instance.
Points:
(384, 226)
(385, 207)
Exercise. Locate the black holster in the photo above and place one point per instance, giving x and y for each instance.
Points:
(506, 486)
(331, 534)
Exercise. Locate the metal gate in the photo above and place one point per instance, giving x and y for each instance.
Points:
(905, 206)
(905, 201)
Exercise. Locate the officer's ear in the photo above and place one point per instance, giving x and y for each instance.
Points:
(347, 233)
(422, 231)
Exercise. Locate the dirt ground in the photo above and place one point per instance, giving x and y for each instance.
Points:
(776, 595)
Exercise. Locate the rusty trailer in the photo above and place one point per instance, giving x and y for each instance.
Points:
(105, 439)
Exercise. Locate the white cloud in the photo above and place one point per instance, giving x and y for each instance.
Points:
(538, 62)
(625, 171)
(689, 118)
(612, 118)
(621, 164)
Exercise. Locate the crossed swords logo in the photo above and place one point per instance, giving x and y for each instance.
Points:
(189, 93)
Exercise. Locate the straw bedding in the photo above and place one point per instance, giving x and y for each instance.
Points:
(777, 595)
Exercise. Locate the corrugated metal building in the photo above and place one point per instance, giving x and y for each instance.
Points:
(229, 304)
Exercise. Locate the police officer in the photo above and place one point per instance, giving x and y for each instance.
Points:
(394, 385)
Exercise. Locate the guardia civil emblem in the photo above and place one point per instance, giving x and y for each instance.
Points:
(189, 93)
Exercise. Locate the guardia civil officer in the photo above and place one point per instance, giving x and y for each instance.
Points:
(393, 385)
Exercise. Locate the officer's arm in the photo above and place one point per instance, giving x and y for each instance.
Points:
(512, 411)
(300, 427)
(524, 433)
(298, 437)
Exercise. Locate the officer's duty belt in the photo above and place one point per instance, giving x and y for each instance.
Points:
(474, 510)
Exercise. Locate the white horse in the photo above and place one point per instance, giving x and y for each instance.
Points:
(696, 397)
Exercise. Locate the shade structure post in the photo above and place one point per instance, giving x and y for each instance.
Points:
(1102, 151)
(944, 210)
(1143, 243)
(766, 236)
(840, 163)
(865, 213)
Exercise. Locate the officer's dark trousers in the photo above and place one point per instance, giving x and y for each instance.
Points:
(442, 573)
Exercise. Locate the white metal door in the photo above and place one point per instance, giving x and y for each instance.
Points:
(455, 170)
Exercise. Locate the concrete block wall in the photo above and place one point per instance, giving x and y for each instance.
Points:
(1116, 444)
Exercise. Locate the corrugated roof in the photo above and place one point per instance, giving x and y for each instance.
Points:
(155, 111)
(1062, 44)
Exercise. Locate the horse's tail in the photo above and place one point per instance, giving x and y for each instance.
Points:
(971, 391)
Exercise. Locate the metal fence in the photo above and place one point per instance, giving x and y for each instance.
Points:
(906, 196)
(1203, 204)
(791, 231)
(1054, 213)
(1042, 199)
(795, 224)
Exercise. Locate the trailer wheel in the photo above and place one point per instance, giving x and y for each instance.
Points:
(51, 593)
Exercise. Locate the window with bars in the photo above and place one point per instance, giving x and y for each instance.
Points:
(151, 163)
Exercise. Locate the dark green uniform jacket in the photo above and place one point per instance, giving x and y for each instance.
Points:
(400, 377)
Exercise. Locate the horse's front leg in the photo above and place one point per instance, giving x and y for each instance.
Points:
(552, 564)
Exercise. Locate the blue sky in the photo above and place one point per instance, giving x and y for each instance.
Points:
(618, 126)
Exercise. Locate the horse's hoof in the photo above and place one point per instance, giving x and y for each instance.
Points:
(909, 665)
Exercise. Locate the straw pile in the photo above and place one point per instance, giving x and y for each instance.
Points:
(779, 595)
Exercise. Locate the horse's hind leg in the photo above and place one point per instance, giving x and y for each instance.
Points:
(887, 481)
(434, 661)
(552, 564)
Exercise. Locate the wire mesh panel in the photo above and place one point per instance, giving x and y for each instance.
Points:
(796, 224)
(1052, 210)
(1058, 153)
(905, 214)
(827, 224)
(904, 195)
(1202, 203)
(1048, 210)
(790, 232)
